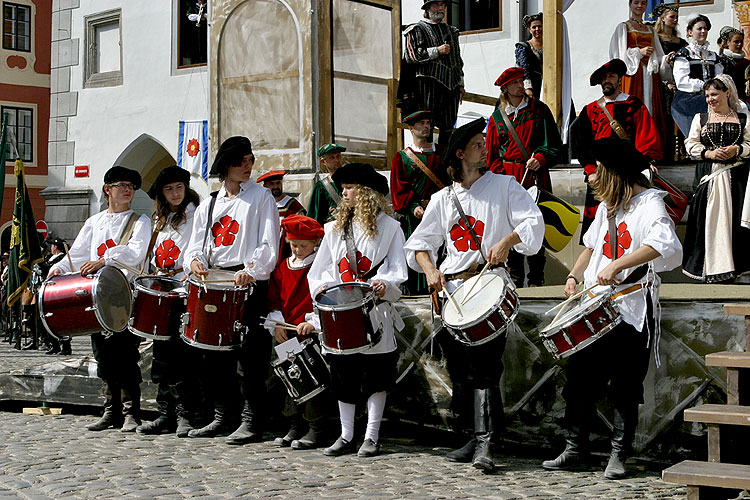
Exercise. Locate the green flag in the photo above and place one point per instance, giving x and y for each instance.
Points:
(25, 249)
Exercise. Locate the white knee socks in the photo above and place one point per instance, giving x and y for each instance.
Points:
(346, 415)
(375, 407)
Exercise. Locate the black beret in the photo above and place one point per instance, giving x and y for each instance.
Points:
(117, 173)
(362, 174)
(620, 156)
(58, 242)
(461, 137)
(230, 152)
(613, 66)
(168, 176)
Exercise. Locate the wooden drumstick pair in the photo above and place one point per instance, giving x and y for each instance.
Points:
(70, 260)
(479, 277)
(282, 324)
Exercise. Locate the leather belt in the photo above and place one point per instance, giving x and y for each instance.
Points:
(522, 163)
(236, 268)
(167, 272)
(472, 271)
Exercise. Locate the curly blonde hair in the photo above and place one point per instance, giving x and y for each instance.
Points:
(369, 205)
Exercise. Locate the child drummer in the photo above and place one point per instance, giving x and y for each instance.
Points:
(174, 207)
(289, 302)
(237, 229)
(115, 237)
(622, 261)
(376, 241)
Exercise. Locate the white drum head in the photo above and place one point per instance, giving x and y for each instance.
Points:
(112, 299)
(484, 295)
(577, 310)
(534, 193)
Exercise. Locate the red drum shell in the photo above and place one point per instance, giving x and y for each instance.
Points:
(584, 324)
(344, 312)
(214, 317)
(158, 305)
(75, 305)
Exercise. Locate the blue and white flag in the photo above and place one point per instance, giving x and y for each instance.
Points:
(192, 154)
(649, 15)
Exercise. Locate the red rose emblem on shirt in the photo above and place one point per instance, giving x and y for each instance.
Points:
(224, 231)
(624, 240)
(363, 265)
(103, 247)
(167, 254)
(193, 148)
(461, 237)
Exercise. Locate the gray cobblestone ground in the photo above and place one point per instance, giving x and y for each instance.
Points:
(55, 457)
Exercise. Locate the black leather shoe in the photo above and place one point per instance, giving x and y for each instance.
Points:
(245, 434)
(369, 449)
(54, 349)
(65, 348)
(340, 447)
(463, 455)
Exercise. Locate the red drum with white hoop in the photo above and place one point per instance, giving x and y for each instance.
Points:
(344, 312)
(74, 305)
(215, 312)
(158, 304)
(486, 312)
(587, 321)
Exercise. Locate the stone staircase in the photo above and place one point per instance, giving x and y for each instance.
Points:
(722, 477)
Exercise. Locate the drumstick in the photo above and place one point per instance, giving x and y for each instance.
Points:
(128, 268)
(571, 298)
(484, 269)
(455, 304)
(70, 261)
(524, 176)
(277, 322)
(288, 328)
(203, 279)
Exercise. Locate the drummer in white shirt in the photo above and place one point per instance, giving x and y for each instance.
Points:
(504, 217)
(645, 243)
(244, 225)
(95, 246)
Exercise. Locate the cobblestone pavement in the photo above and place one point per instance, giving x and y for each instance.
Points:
(12, 359)
(55, 457)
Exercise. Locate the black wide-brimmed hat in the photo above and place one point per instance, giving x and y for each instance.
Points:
(620, 156)
(118, 173)
(461, 137)
(613, 66)
(230, 152)
(362, 174)
(168, 176)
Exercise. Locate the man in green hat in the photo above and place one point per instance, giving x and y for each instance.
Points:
(326, 196)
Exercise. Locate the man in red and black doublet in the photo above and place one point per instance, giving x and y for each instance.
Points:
(592, 124)
(537, 130)
(411, 187)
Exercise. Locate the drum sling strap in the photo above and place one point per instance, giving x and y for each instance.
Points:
(331, 190)
(429, 173)
(512, 131)
(351, 255)
(127, 231)
(635, 276)
(210, 216)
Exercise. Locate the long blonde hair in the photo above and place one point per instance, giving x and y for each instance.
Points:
(369, 205)
(615, 190)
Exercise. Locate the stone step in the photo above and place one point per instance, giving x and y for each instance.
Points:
(716, 475)
(729, 359)
(719, 414)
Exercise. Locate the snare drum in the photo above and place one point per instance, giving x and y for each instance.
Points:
(158, 304)
(305, 374)
(215, 312)
(486, 313)
(344, 312)
(74, 305)
(587, 321)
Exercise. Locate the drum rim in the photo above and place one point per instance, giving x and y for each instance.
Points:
(95, 302)
(157, 293)
(593, 305)
(487, 313)
(579, 347)
(209, 347)
(369, 297)
(40, 305)
(219, 287)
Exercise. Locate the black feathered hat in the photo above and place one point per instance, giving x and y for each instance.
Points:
(362, 174)
(118, 173)
(168, 176)
(230, 152)
(620, 156)
(461, 137)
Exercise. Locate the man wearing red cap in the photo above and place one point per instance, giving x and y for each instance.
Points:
(530, 161)
(417, 172)
(432, 52)
(286, 204)
(289, 301)
(633, 122)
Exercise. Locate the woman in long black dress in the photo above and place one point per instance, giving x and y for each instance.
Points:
(715, 240)
(529, 56)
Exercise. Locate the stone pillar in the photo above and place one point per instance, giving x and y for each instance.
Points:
(67, 210)
(742, 9)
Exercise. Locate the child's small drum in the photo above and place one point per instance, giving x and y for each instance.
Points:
(586, 322)
(305, 374)
(344, 312)
(215, 312)
(486, 313)
(158, 304)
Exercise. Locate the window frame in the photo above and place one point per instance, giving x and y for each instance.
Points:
(15, 25)
(32, 148)
(485, 30)
(179, 18)
(92, 78)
